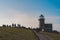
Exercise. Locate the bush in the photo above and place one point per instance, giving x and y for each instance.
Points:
(55, 32)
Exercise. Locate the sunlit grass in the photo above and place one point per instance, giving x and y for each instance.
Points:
(7, 33)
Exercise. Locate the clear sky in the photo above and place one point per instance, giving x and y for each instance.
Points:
(27, 12)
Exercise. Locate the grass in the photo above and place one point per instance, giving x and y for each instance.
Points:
(54, 36)
(7, 33)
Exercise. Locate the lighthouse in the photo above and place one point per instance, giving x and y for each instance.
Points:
(41, 22)
(44, 26)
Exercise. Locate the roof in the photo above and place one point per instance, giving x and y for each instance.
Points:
(41, 15)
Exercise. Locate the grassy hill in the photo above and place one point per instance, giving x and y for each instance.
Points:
(7, 33)
(54, 36)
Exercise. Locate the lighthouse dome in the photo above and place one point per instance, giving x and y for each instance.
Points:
(41, 16)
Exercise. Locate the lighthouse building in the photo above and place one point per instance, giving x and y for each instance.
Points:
(43, 26)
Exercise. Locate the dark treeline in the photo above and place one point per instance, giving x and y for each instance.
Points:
(16, 26)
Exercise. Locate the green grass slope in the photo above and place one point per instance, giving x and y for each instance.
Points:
(7, 33)
(54, 36)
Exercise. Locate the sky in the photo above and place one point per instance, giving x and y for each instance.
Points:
(27, 12)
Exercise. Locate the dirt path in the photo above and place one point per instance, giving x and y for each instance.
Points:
(42, 37)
